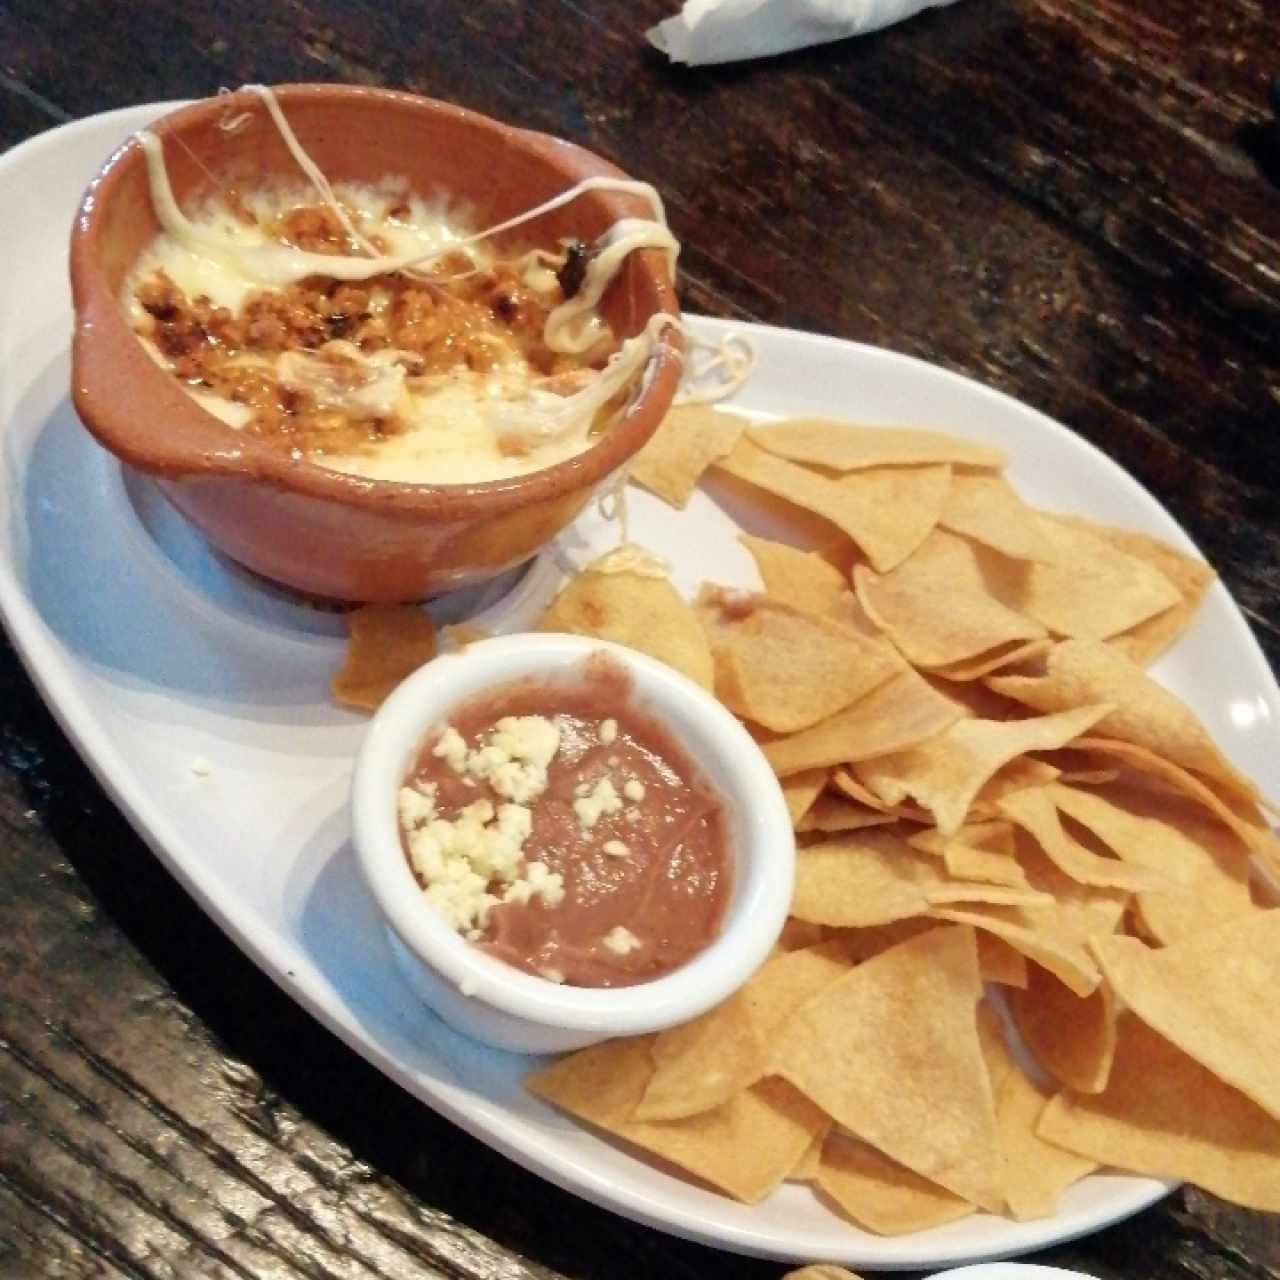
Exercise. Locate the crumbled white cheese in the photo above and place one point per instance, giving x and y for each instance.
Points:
(551, 975)
(417, 805)
(451, 748)
(616, 849)
(513, 759)
(602, 799)
(620, 940)
(633, 789)
(608, 732)
(201, 767)
(547, 884)
(537, 882)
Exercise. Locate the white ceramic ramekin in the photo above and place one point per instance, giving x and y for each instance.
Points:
(495, 1003)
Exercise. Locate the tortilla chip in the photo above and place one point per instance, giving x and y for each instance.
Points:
(1037, 934)
(987, 510)
(1091, 591)
(1190, 575)
(968, 854)
(887, 512)
(903, 711)
(848, 785)
(1164, 1115)
(879, 1194)
(638, 611)
(1205, 867)
(998, 962)
(744, 1148)
(801, 790)
(1033, 809)
(1079, 911)
(996, 660)
(688, 440)
(920, 1091)
(1035, 1172)
(908, 605)
(806, 1169)
(1018, 775)
(802, 579)
(838, 813)
(854, 882)
(703, 1063)
(1078, 672)
(867, 877)
(1213, 996)
(946, 773)
(1240, 815)
(1073, 1039)
(387, 643)
(785, 982)
(785, 669)
(845, 446)
(797, 934)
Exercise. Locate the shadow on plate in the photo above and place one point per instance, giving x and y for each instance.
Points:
(339, 928)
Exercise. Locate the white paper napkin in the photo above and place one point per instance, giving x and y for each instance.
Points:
(707, 31)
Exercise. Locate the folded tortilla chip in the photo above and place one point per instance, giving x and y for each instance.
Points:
(1164, 1115)
(744, 1148)
(1213, 995)
(887, 512)
(687, 441)
(907, 604)
(920, 1091)
(901, 712)
(846, 446)
(945, 773)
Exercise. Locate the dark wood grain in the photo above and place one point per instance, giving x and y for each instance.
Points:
(1075, 201)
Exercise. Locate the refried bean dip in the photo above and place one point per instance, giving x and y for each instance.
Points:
(565, 831)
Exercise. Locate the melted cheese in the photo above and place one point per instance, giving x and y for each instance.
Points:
(456, 429)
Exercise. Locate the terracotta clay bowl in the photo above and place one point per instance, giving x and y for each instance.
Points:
(319, 531)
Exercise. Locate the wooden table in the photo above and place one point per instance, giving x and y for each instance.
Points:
(1072, 200)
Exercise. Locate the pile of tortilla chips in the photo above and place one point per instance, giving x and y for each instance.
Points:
(1025, 941)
